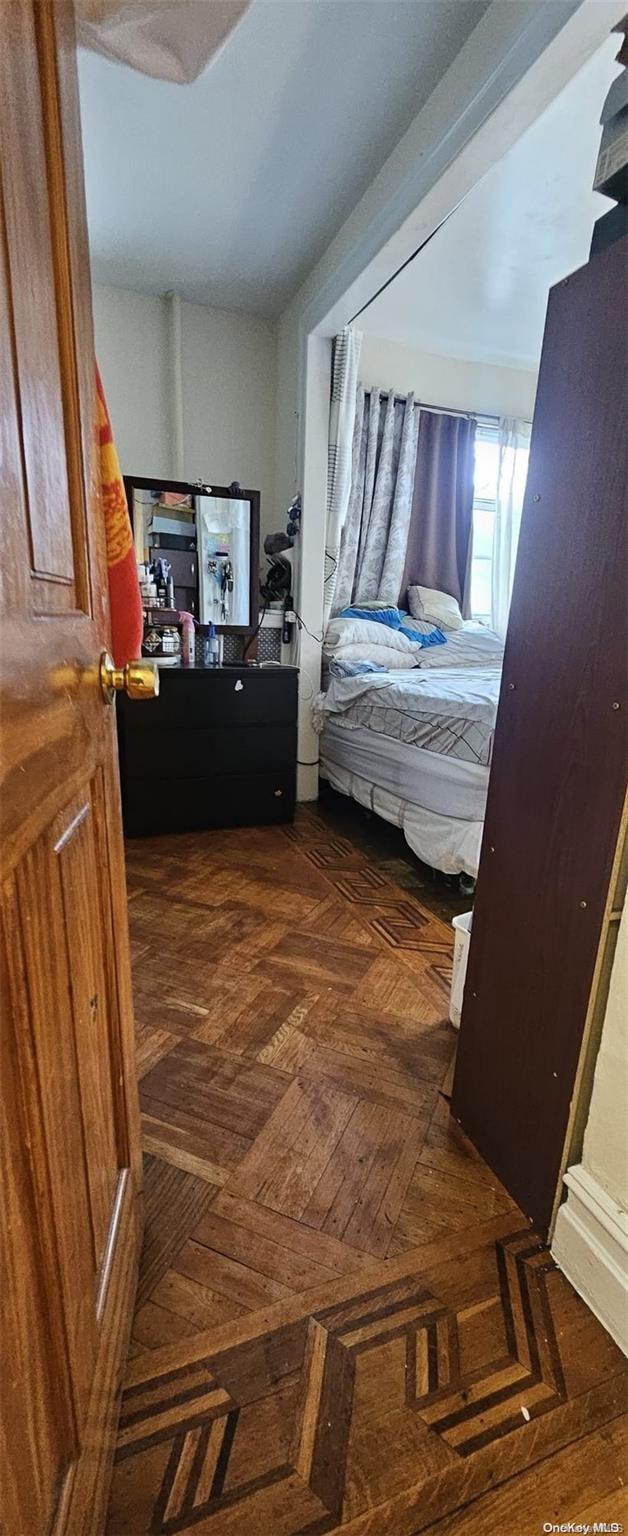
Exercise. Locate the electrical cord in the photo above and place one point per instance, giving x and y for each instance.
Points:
(302, 625)
(255, 631)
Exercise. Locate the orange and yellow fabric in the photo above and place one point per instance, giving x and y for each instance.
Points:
(124, 592)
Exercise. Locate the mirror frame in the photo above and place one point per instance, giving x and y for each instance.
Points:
(204, 488)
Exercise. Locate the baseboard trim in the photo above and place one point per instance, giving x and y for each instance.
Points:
(591, 1247)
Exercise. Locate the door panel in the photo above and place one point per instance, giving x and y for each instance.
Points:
(81, 921)
(559, 765)
(34, 309)
(40, 921)
(70, 1214)
(37, 1404)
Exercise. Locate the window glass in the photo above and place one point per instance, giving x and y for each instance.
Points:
(486, 467)
(485, 474)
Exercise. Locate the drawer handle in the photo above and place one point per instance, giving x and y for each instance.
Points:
(237, 687)
(278, 793)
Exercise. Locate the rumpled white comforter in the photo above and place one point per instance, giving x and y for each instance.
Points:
(470, 646)
(457, 692)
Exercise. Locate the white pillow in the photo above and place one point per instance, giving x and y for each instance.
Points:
(385, 655)
(428, 603)
(419, 626)
(367, 632)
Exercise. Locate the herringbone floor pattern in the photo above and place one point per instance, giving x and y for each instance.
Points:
(343, 1323)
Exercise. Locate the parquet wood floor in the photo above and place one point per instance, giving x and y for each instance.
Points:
(343, 1323)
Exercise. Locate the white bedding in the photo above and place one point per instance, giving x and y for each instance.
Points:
(446, 785)
(471, 646)
(448, 713)
(444, 842)
(367, 633)
(464, 693)
(415, 744)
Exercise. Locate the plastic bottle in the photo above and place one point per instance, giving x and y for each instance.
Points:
(187, 639)
(212, 648)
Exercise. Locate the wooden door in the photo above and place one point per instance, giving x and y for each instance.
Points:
(559, 765)
(69, 1209)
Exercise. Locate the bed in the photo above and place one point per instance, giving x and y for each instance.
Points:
(414, 743)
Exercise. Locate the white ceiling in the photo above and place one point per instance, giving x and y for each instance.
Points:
(479, 289)
(228, 190)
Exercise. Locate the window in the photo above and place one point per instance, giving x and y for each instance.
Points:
(485, 477)
(510, 467)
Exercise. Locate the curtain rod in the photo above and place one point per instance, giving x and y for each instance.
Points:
(441, 410)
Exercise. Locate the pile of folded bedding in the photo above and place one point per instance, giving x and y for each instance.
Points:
(377, 639)
(380, 638)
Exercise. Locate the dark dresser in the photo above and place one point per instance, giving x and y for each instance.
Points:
(217, 748)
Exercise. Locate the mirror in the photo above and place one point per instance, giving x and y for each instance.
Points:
(207, 540)
(224, 560)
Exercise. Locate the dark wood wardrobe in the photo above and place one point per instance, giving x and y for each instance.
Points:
(556, 794)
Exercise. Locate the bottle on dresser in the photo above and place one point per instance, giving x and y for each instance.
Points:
(186, 622)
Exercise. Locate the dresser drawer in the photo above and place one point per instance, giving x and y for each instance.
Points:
(205, 751)
(197, 697)
(151, 806)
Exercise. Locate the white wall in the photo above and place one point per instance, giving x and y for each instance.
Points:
(450, 381)
(229, 400)
(590, 1241)
(229, 368)
(132, 351)
(515, 62)
(605, 1149)
(440, 157)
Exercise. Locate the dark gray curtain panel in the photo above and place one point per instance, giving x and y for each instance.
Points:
(441, 522)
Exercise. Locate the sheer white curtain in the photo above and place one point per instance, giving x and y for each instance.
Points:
(514, 450)
(339, 454)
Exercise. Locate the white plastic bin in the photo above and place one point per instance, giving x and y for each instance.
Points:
(462, 938)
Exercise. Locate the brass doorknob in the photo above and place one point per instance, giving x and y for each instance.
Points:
(140, 679)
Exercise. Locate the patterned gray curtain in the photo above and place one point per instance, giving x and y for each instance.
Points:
(375, 533)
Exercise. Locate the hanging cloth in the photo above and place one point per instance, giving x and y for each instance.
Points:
(125, 601)
(168, 39)
(439, 544)
(342, 407)
(514, 452)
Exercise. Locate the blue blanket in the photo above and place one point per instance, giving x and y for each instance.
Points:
(395, 618)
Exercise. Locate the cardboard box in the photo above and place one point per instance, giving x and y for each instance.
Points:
(611, 172)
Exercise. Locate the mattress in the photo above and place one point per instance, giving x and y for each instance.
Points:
(444, 842)
(415, 743)
(447, 785)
